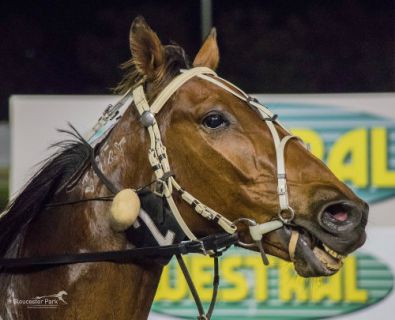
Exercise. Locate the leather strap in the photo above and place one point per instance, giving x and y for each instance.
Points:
(292, 244)
(195, 294)
(175, 84)
(214, 242)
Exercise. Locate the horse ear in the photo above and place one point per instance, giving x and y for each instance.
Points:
(147, 50)
(208, 55)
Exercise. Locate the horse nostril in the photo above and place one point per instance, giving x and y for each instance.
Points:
(340, 216)
(339, 212)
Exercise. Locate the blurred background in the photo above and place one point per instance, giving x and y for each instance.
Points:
(75, 47)
(267, 47)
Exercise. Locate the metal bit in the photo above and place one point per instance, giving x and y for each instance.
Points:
(265, 260)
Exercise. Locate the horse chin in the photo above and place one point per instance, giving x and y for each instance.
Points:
(312, 258)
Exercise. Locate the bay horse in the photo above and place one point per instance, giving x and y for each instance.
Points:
(241, 172)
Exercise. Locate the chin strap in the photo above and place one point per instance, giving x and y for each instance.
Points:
(292, 244)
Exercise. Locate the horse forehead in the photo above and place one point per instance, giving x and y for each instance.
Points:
(197, 91)
(200, 89)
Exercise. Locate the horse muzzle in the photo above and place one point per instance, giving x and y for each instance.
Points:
(319, 248)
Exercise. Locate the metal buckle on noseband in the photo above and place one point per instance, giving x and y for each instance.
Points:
(249, 223)
(286, 219)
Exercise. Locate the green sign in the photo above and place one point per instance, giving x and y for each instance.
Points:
(250, 290)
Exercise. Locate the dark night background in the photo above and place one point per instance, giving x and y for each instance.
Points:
(75, 47)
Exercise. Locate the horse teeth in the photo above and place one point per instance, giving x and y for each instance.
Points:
(334, 267)
(333, 253)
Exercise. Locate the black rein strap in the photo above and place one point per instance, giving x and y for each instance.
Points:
(214, 242)
(192, 288)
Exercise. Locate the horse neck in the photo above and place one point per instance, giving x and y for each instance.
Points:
(85, 227)
(121, 160)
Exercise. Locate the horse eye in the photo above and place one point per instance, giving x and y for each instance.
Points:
(215, 121)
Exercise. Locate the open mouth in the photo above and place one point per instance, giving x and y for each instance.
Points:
(311, 256)
(317, 247)
(310, 249)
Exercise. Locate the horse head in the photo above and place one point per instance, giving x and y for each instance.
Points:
(217, 157)
(224, 154)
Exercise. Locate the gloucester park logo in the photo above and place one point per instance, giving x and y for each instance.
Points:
(51, 301)
(360, 149)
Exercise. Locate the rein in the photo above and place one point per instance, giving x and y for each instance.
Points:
(216, 243)
(165, 184)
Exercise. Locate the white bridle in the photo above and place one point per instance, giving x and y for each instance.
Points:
(159, 160)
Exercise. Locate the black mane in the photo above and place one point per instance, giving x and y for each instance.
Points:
(70, 158)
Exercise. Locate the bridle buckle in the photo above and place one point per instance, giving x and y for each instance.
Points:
(288, 217)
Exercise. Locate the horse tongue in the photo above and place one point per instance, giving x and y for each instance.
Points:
(341, 216)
